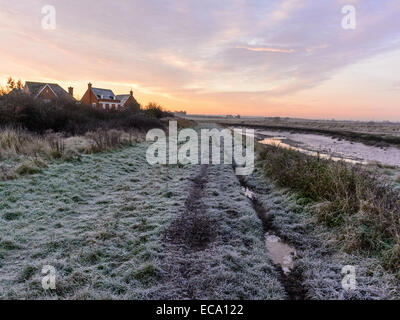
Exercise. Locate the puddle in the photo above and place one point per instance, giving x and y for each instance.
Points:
(248, 193)
(277, 141)
(281, 253)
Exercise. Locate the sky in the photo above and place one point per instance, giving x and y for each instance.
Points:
(288, 58)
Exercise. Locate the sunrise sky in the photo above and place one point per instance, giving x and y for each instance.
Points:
(260, 57)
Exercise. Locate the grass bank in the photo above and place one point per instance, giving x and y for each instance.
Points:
(357, 204)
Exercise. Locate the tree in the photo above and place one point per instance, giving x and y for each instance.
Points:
(2, 91)
(154, 110)
(10, 84)
(19, 84)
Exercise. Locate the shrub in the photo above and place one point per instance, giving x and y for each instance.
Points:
(104, 139)
(73, 119)
(156, 111)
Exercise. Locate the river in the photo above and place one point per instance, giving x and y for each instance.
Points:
(330, 147)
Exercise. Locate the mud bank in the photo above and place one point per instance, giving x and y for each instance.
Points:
(381, 139)
(331, 147)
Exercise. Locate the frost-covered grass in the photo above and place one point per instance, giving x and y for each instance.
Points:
(319, 260)
(98, 222)
(102, 222)
(244, 253)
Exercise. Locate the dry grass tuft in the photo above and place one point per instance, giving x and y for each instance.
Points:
(102, 140)
(23, 152)
(31, 166)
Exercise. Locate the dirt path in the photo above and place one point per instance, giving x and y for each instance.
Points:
(188, 235)
(192, 230)
(209, 255)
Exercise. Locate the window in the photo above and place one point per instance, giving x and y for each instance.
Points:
(94, 104)
(107, 106)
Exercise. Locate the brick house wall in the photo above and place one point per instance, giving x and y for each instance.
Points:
(47, 94)
(89, 98)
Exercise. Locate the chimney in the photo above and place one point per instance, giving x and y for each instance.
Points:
(89, 85)
(71, 91)
(131, 92)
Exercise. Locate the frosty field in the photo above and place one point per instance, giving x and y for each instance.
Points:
(115, 227)
(107, 226)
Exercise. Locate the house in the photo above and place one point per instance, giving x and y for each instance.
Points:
(48, 91)
(179, 113)
(127, 99)
(100, 98)
(106, 99)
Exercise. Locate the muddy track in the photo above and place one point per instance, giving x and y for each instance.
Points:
(189, 243)
(292, 281)
(193, 229)
(186, 238)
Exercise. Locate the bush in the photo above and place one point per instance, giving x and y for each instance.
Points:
(73, 119)
(156, 111)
